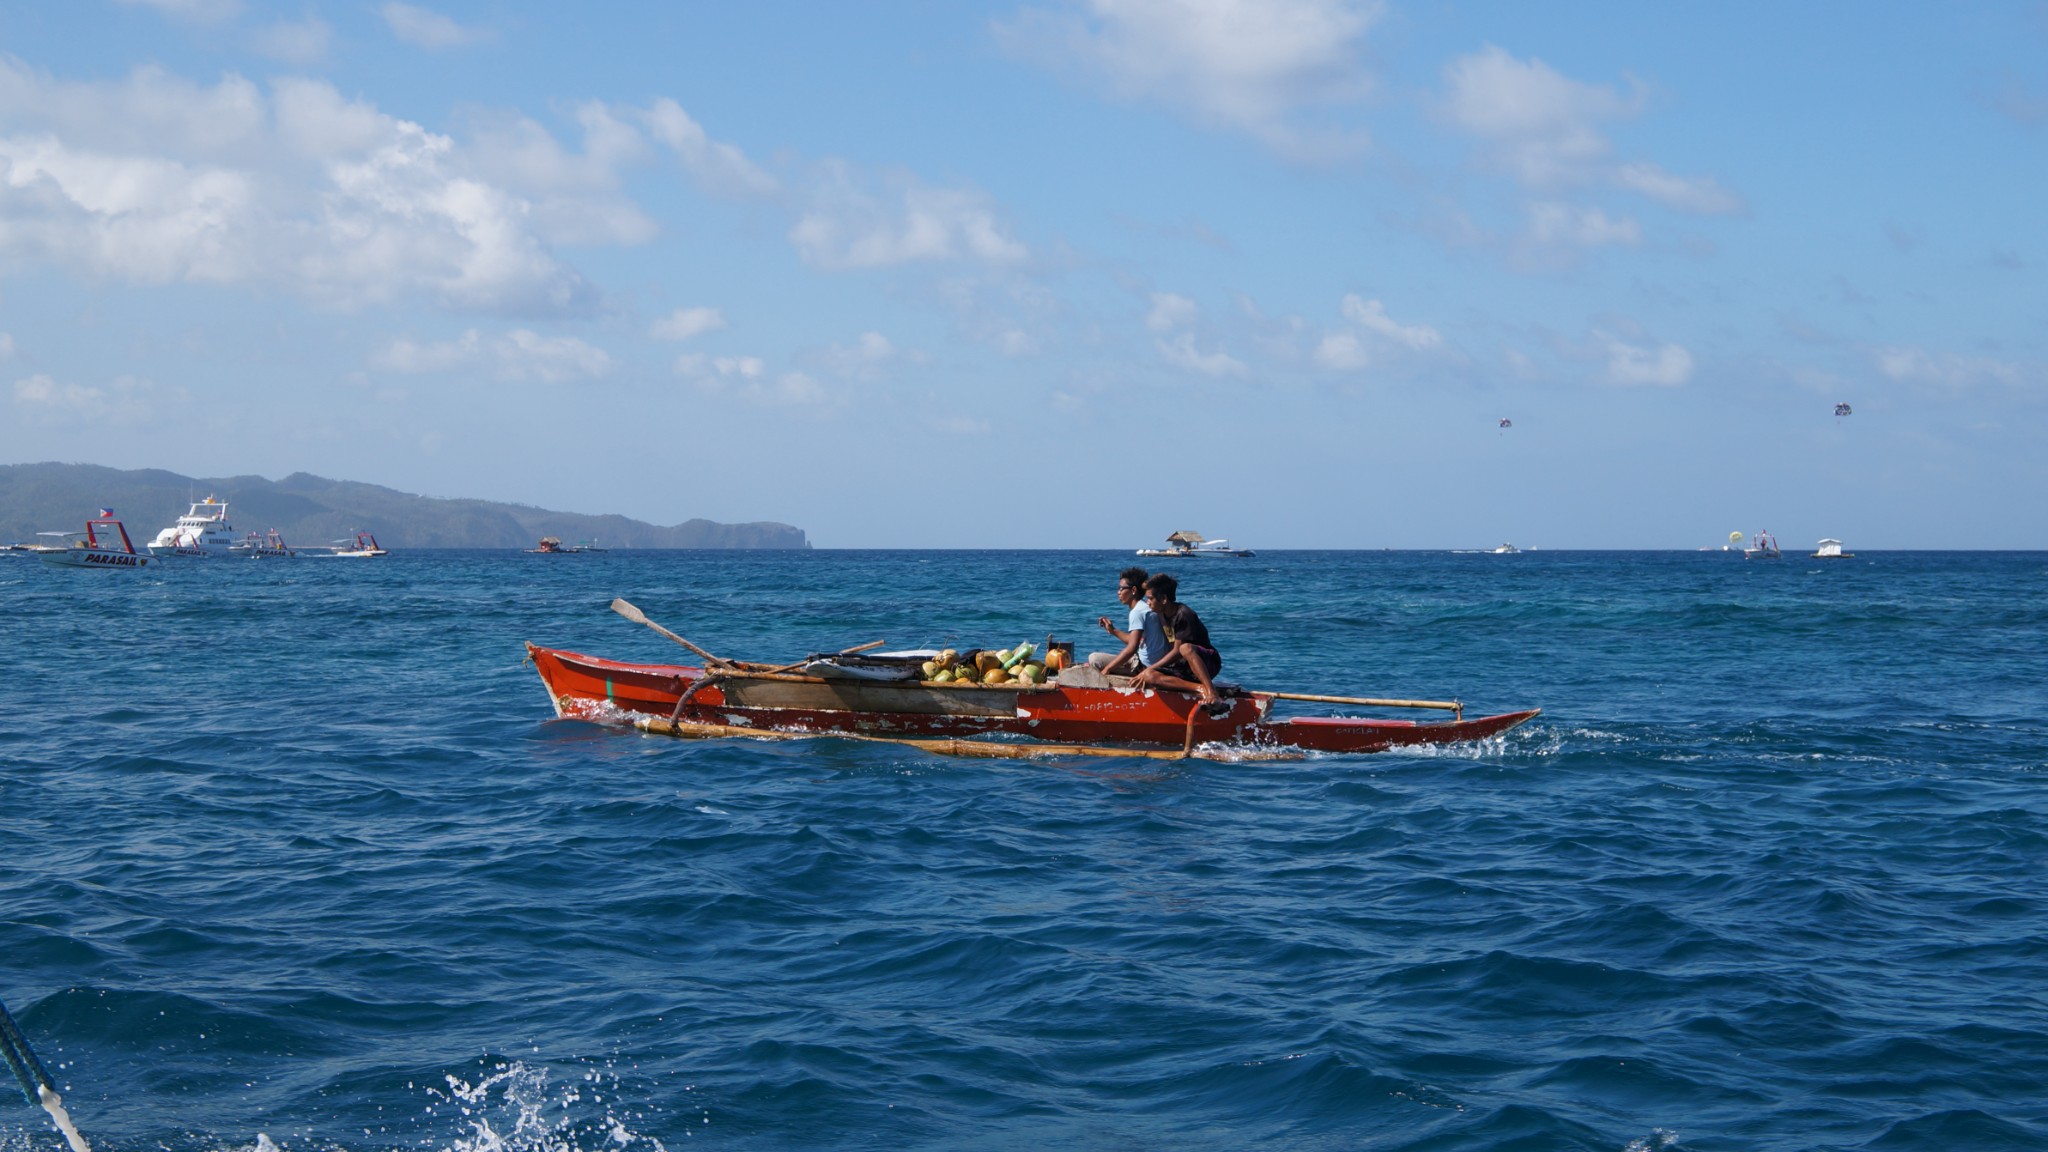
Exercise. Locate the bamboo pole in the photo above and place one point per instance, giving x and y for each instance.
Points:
(841, 652)
(973, 749)
(1446, 705)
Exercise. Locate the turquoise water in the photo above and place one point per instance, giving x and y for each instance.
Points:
(296, 856)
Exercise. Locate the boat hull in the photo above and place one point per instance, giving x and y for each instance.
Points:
(96, 558)
(1197, 553)
(590, 687)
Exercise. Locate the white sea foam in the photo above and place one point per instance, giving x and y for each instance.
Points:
(514, 1109)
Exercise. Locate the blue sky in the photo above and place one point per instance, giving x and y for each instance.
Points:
(1051, 274)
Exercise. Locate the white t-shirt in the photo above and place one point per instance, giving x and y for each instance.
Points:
(1151, 633)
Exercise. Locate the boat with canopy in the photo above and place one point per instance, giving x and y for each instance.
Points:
(1186, 545)
(103, 544)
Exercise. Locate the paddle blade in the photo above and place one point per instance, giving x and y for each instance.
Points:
(625, 608)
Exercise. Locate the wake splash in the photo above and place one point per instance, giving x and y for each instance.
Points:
(514, 1110)
(513, 1107)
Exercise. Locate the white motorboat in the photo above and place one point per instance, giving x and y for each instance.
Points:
(364, 545)
(1191, 545)
(1506, 550)
(201, 533)
(103, 544)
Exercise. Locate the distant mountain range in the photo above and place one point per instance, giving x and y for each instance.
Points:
(311, 510)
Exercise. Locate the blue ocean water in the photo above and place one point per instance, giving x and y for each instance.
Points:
(296, 858)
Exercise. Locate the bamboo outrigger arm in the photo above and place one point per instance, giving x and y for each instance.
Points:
(1447, 705)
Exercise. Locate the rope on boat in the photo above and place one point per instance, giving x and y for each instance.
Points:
(35, 1080)
(21, 1058)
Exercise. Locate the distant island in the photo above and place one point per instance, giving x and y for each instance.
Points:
(312, 510)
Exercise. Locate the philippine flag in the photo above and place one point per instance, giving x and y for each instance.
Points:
(106, 513)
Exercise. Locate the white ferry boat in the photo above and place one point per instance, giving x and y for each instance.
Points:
(200, 533)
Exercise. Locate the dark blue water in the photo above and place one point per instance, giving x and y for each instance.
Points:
(295, 856)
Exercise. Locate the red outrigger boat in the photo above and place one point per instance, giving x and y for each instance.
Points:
(880, 697)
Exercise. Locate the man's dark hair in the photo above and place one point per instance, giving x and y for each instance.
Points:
(1163, 586)
(1133, 576)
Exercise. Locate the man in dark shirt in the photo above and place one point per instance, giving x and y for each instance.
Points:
(1191, 661)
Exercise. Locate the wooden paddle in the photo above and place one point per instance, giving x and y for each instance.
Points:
(1446, 705)
(626, 609)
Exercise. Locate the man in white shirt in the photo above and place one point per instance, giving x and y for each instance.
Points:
(1145, 638)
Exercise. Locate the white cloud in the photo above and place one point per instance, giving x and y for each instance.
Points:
(1170, 311)
(1546, 131)
(715, 166)
(1370, 331)
(1172, 319)
(729, 367)
(149, 111)
(1342, 351)
(1543, 125)
(1180, 351)
(684, 323)
(1918, 366)
(849, 226)
(1553, 223)
(573, 197)
(154, 179)
(550, 359)
(519, 355)
(1668, 366)
(866, 356)
(1262, 67)
(126, 401)
(872, 346)
(1371, 315)
(746, 377)
(424, 28)
(791, 389)
(1699, 195)
(303, 42)
(6, 346)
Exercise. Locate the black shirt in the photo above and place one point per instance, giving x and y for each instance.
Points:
(1184, 627)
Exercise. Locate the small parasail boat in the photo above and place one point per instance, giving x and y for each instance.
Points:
(1078, 711)
(1763, 547)
(259, 544)
(364, 545)
(103, 544)
(1191, 546)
